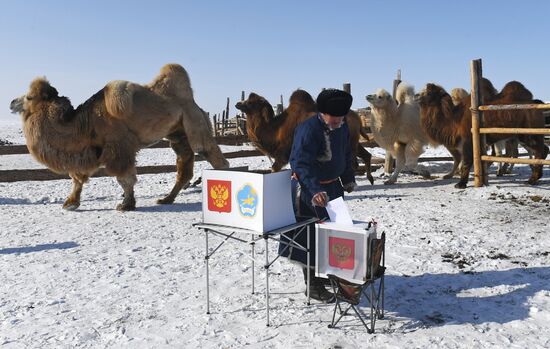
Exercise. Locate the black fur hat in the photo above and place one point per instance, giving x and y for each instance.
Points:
(334, 102)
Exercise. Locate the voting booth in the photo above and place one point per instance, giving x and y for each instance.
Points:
(245, 199)
(246, 207)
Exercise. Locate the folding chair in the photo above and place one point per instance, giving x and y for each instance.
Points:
(372, 289)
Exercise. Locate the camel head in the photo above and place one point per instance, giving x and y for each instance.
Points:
(42, 93)
(432, 95)
(16, 105)
(458, 94)
(380, 99)
(256, 107)
(488, 92)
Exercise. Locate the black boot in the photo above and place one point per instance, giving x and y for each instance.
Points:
(317, 290)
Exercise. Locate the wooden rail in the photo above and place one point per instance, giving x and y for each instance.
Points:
(222, 140)
(516, 131)
(513, 107)
(45, 174)
(515, 160)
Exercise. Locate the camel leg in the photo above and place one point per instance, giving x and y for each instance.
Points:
(200, 137)
(467, 161)
(540, 151)
(399, 163)
(127, 183)
(512, 151)
(366, 156)
(215, 157)
(73, 201)
(184, 165)
(457, 158)
(412, 153)
(278, 165)
(499, 149)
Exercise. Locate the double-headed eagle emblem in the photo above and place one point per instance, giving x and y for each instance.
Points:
(219, 194)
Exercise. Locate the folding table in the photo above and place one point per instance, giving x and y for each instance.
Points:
(227, 232)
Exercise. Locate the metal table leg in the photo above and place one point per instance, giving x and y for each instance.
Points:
(206, 258)
(266, 267)
(308, 267)
(252, 243)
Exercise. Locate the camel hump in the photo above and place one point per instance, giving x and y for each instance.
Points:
(40, 89)
(172, 81)
(301, 96)
(404, 93)
(304, 100)
(119, 95)
(516, 91)
(172, 69)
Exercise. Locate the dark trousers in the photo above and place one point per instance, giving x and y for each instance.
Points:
(303, 208)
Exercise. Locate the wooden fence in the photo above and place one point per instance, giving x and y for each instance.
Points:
(45, 174)
(478, 131)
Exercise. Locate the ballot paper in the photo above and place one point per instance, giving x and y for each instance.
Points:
(338, 212)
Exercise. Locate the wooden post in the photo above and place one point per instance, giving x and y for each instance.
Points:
(241, 120)
(478, 141)
(226, 119)
(347, 87)
(396, 82)
(215, 124)
(224, 123)
(210, 121)
(227, 111)
(389, 162)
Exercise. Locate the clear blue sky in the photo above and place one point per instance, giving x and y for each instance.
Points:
(271, 47)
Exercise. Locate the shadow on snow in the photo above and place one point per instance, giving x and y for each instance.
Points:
(39, 248)
(430, 300)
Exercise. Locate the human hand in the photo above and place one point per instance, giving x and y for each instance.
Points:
(349, 187)
(320, 199)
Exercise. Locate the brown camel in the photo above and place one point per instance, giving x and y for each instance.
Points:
(112, 126)
(273, 135)
(450, 124)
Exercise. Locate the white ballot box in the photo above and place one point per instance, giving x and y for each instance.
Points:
(243, 199)
(342, 250)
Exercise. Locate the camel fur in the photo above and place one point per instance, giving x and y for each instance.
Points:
(273, 134)
(450, 124)
(508, 146)
(112, 126)
(396, 128)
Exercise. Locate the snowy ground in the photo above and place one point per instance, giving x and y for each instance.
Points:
(466, 268)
